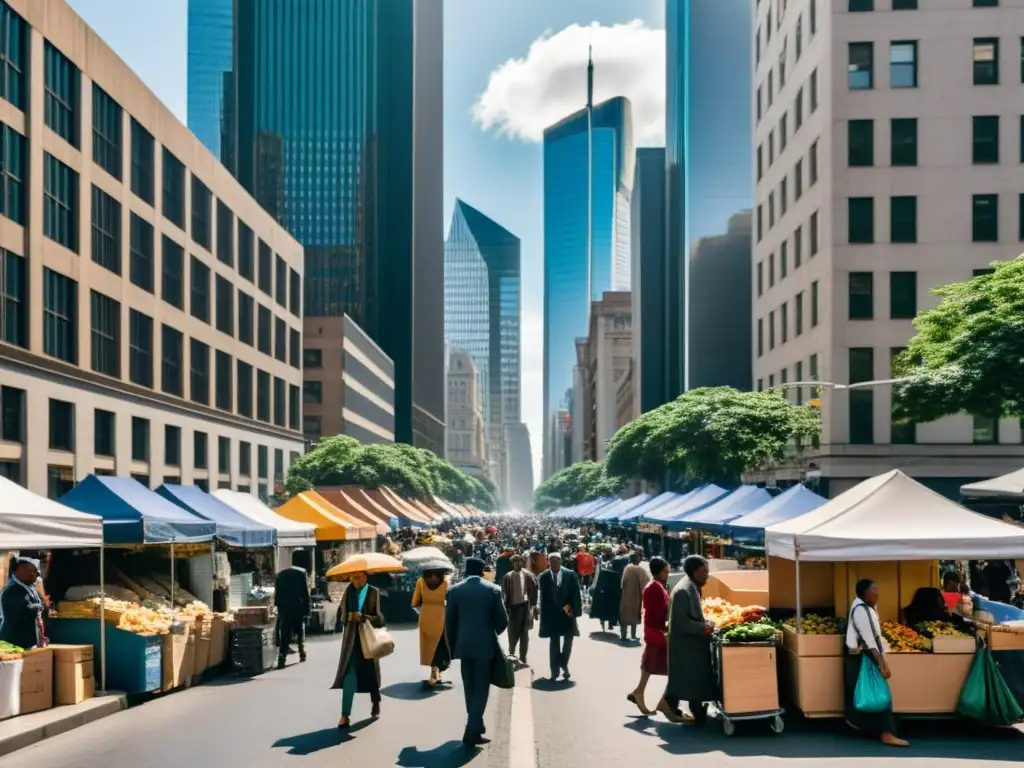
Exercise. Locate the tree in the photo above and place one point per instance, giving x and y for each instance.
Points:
(574, 485)
(713, 433)
(968, 354)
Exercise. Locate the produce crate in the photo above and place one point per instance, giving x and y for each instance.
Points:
(218, 642)
(927, 683)
(750, 681)
(134, 662)
(812, 645)
(252, 616)
(814, 684)
(178, 655)
(1004, 641)
(953, 644)
(203, 628)
(37, 681)
(252, 650)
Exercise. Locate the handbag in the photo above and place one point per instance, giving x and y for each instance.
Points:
(375, 642)
(871, 695)
(503, 673)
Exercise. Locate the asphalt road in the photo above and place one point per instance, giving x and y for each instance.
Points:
(287, 718)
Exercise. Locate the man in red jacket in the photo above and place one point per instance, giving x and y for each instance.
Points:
(585, 567)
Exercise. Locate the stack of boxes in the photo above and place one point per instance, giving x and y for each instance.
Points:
(73, 673)
(37, 681)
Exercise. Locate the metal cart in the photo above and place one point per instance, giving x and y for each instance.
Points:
(728, 719)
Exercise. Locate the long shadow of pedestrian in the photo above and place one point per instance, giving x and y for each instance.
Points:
(412, 691)
(547, 685)
(315, 741)
(452, 754)
(612, 638)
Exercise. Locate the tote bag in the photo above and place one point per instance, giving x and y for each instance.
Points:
(872, 694)
(376, 643)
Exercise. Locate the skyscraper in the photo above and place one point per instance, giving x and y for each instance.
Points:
(647, 233)
(334, 124)
(482, 317)
(210, 56)
(567, 292)
(709, 179)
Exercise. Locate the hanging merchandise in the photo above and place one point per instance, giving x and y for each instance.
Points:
(985, 696)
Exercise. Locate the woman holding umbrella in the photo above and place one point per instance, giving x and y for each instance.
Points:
(429, 598)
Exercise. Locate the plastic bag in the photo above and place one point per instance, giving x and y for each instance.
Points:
(10, 688)
(872, 694)
(985, 696)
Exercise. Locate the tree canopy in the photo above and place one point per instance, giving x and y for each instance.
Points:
(574, 485)
(713, 433)
(411, 472)
(968, 354)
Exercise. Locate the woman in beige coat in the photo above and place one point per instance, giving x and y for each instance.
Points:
(634, 579)
(429, 597)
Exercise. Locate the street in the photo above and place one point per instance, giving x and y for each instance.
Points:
(287, 718)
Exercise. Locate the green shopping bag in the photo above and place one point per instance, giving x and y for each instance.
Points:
(985, 696)
(872, 694)
(973, 702)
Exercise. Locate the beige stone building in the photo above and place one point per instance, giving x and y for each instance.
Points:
(150, 310)
(887, 157)
(605, 365)
(465, 435)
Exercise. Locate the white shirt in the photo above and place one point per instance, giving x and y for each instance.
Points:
(558, 577)
(522, 584)
(863, 625)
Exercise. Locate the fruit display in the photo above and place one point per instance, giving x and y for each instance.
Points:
(939, 629)
(750, 632)
(901, 639)
(10, 652)
(813, 624)
(196, 608)
(143, 621)
(724, 614)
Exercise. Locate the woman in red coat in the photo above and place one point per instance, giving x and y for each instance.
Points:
(655, 657)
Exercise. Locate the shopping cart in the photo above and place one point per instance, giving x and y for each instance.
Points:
(753, 684)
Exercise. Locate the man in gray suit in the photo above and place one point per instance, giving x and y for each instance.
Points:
(691, 678)
(474, 617)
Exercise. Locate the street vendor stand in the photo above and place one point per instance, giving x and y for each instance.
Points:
(893, 530)
(291, 535)
(711, 520)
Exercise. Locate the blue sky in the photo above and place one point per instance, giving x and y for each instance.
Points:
(510, 68)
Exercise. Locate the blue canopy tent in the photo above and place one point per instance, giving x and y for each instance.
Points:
(233, 528)
(793, 502)
(657, 502)
(580, 511)
(611, 513)
(691, 502)
(713, 518)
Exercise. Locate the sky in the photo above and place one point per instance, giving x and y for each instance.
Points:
(511, 68)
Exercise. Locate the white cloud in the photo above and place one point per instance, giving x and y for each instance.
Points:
(524, 96)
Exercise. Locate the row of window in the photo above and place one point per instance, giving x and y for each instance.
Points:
(903, 219)
(860, 6)
(784, 253)
(984, 141)
(782, 131)
(782, 193)
(903, 63)
(783, 324)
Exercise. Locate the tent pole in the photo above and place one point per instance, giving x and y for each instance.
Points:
(103, 620)
(172, 575)
(799, 610)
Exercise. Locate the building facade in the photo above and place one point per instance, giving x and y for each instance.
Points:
(210, 70)
(574, 227)
(882, 173)
(606, 365)
(520, 467)
(466, 433)
(333, 122)
(135, 338)
(348, 385)
(709, 179)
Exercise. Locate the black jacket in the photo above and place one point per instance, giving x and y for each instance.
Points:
(22, 609)
(291, 593)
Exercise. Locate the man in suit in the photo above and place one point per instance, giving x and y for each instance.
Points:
(691, 677)
(503, 565)
(519, 590)
(474, 617)
(561, 604)
(291, 596)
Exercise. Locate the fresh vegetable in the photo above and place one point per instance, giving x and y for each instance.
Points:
(724, 614)
(750, 633)
(939, 629)
(903, 639)
(813, 624)
(9, 651)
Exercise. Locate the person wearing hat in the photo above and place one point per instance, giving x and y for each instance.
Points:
(22, 606)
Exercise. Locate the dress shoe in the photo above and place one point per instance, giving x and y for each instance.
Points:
(375, 710)
(565, 673)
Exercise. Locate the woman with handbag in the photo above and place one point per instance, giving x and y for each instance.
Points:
(868, 702)
(359, 670)
(429, 597)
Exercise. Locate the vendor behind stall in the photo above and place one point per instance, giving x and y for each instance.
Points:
(929, 605)
(22, 606)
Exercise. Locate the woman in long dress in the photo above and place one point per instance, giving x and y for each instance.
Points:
(429, 597)
(356, 673)
(655, 657)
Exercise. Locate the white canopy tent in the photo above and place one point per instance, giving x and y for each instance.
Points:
(1010, 486)
(291, 534)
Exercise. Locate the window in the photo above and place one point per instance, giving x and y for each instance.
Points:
(60, 316)
(814, 234)
(225, 234)
(244, 389)
(861, 296)
(262, 461)
(312, 428)
(986, 60)
(202, 202)
(982, 272)
(798, 247)
(813, 161)
(106, 132)
(280, 340)
(103, 433)
(903, 147)
(860, 142)
(771, 87)
(783, 261)
(62, 426)
(798, 179)
(1020, 217)
(172, 445)
(174, 190)
(904, 5)
(986, 430)
(245, 251)
(266, 276)
(784, 321)
(862, 401)
(294, 348)
(281, 281)
(142, 162)
(140, 352)
(140, 439)
(224, 392)
(861, 5)
(760, 279)
(173, 282)
(771, 148)
(245, 320)
(199, 302)
(294, 409)
(902, 431)
(140, 253)
(224, 455)
(814, 91)
(60, 102)
(903, 219)
(13, 297)
(902, 295)
(861, 224)
(278, 466)
(14, 53)
(799, 312)
(263, 396)
(760, 222)
(985, 146)
(225, 306)
(771, 209)
(783, 197)
(312, 358)
(798, 110)
(106, 230)
(799, 35)
(263, 330)
(861, 75)
(244, 458)
(903, 64)
(173, 352)
(199, 388)
(760, 161)
(985, 218)
(814, 304)
(60, 202)
(13, 159)
(280, 404)
(783, 133)
(295, 293)
(106, 334)
(59, 480)
(312, 392)
(771, 270)
(986, 3)
(200, 450)
(759, 109)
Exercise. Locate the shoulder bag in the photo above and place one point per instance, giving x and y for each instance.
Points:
(376, 643)
(871, 694)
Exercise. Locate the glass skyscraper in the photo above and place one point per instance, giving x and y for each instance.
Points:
(210, 55)
(709, 194)
(647, 231)
(567, 292)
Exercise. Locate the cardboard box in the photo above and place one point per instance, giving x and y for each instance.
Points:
(814, 683)
(1005, 641)
(69, 653)
(218, 641)
(37, 681)
(927, 683)
(73, 682)
(750, 681)
(202, 630)
(812, 645)
(178, 656)
(947, 644)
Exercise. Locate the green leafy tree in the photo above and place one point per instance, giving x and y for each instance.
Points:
(576, 484)
(968, 354)
(711, 434)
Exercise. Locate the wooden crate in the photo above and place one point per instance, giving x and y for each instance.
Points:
(947, 644)
(1005, 641)
(812, 645)
(814, 684)
(750, 680)
(927, 683)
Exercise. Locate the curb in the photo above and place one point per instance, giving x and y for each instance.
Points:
(20, 732)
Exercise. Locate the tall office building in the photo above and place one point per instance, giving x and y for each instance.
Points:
(482, 318)
(333, 122)
(520, 467)
(881, 175)
(586, 238)
(210, 65)
(709, 175)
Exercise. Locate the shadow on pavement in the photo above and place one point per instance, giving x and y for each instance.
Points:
(612, 638)
(315, 741)
(451, 754)
(413, 691)
(547, 685)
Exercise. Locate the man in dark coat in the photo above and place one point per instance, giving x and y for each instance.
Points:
(561, 604)
(519, 590)
(291, 596)
(474, 617)
(22, 606)
(691, 677)
(503, 565)
(607, 595)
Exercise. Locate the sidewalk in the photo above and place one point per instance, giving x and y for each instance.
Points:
(19, 732)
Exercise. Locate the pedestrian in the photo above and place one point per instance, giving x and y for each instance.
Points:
(356, 673)
(691, 677)
(22, 606)
(585, 567)
(607, 594)
(519, 591)
(291, 597)
(655, 658)
(429, 597)
(503, 565)
(634, 580)
(561, 604)
(474, 618)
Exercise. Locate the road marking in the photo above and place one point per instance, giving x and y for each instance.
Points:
(522, 751)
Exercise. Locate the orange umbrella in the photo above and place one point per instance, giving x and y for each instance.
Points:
(368, 562)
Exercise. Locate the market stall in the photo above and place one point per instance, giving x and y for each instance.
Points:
(291, 535)
(687, 504)
(630, 516)
(359, 510)
(406, 511)
(394, 507)
(611, 513)
(364, 534)
(793, 502)
(365, 499)
(336, 538)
